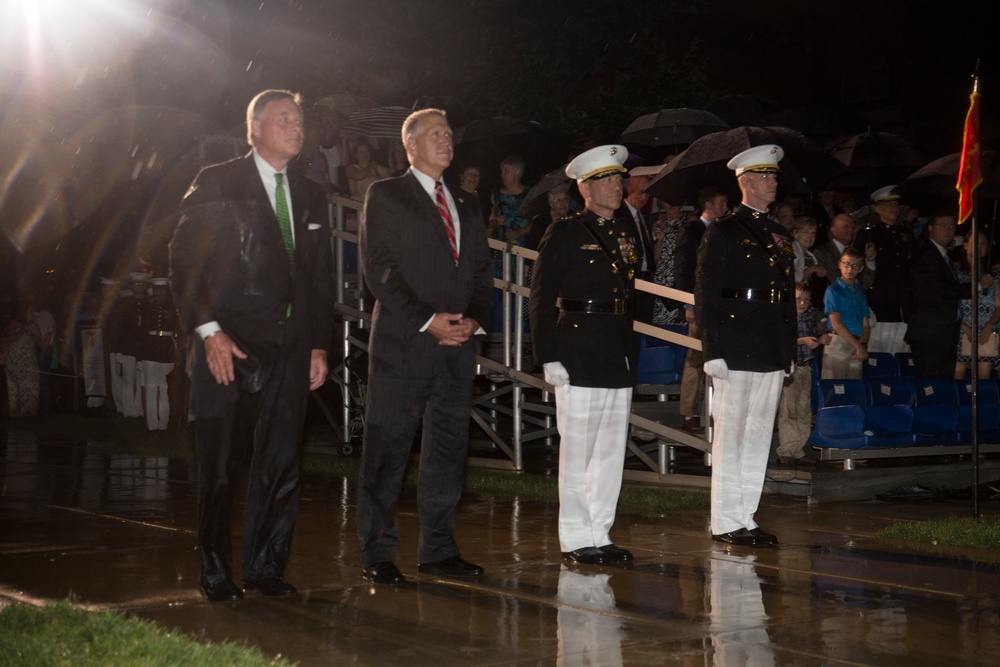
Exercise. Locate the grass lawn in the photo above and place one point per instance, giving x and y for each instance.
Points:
(62, 634)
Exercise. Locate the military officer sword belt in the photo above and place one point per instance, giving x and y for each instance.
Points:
(595, 306)
(758, 294)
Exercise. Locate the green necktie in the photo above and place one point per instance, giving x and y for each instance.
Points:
(284, 220)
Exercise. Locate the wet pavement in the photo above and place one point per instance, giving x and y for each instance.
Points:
(117, 531)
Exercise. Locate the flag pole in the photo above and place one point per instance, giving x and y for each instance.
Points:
(969, 177)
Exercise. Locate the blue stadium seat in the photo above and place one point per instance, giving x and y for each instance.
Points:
(988, 410)
(846, 418)
(935, 415)
(660, 362)
(880, 365)
(904, 362)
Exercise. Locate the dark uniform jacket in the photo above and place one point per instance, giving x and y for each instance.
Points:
(156, 339)
(890, 292)
(596, 349)
(756, 334)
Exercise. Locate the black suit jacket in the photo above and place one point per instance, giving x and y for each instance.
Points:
(935, 296)
(228, 264)
(409, 268)
(757, 336)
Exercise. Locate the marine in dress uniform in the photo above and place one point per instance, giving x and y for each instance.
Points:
(581, 330)
(744, 296)
(889, 294)
(156, 350)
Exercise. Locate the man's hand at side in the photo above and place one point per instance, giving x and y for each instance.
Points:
(219, 352)
(318, 369)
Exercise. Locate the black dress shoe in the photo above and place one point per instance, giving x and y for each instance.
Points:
(385, 572)
(455, 566)
(613, 554)
(741, 537)
(273, 587)
(587, 556)
(764, 539)
(693, 426)
(224, 591)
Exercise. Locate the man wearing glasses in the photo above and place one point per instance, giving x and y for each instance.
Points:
(744, 302)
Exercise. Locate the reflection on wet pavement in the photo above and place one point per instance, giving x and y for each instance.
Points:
(117, 532)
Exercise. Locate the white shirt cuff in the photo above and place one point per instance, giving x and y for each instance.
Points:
(207, 329)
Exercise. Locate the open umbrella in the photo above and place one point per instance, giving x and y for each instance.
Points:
(938, 178)
(536, 200)
(381, 122)
(485, 142)
(672, 127)
(875, 159)
(820, 124)
(336, 109)
(804, 168)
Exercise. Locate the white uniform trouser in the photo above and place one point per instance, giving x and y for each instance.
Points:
(743, 409)
(593, 429)
(123, 386)
(157, 398)
(738, 621)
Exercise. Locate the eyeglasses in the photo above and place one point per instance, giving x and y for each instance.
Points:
(849, 265)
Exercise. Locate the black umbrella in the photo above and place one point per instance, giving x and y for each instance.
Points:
(485, 142)
(818, 123)
(938, 178)
(804, 168)
(536, 200)
(672, 127)
(875, 159)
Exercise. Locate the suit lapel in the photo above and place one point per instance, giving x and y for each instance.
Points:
(256, 196)
(427, 211)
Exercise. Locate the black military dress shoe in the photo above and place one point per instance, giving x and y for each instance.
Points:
(741, 537)
(613, 554)
(272, 587)
(224, 591)
(587, 556)
(455, 566)
(764, 539)
(385, 572)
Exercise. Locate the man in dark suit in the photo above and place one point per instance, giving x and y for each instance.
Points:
(250, 269)
(744, 295)
(631, 212)
(842, 230)
(714, 203)
(581, 328)
(426, 260)
(933, 329)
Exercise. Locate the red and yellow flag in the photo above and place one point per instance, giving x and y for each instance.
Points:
(970, 169)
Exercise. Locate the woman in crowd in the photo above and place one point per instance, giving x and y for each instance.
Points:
(558, 208)
(19, 357)
(989, 313)
(506, 222)
(398, 162)
(807, 268)
(364, 171)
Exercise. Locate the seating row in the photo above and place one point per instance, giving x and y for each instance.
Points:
(660, 362)
(899, 412)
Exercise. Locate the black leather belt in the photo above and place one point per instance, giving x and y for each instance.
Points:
(595, 306)
(750, 294)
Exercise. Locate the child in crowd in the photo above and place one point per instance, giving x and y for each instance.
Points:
(795, 405)
(846, 309)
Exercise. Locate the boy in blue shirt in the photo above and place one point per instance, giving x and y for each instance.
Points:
(846, 308)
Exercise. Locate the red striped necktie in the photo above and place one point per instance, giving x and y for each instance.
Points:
(449, 226)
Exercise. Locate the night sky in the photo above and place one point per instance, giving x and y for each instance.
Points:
(101, 101)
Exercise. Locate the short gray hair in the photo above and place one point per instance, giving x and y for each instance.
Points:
(255, 110)
(558, 190)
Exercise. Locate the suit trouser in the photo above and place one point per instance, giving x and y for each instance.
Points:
(795, 413)
(743, 408)
(593, 428)
(231, 427)
(935, 358)
(395, 406)
(692, 379)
